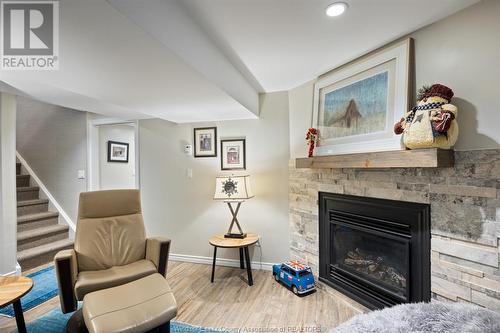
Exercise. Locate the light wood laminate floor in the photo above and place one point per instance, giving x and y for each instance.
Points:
(230, 304)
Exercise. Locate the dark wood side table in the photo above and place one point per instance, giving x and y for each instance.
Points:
(12, 288)
(235, 243)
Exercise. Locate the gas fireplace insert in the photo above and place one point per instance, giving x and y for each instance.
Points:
(376, 251)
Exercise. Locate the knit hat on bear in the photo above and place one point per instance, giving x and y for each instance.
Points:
(436, 90)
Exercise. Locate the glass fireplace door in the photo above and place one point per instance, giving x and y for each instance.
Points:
(378, 258)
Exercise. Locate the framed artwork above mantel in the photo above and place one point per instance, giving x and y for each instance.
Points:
(356, 105)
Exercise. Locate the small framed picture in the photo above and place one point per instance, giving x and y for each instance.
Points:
(117, 152)
(205, 142)
(233, 155)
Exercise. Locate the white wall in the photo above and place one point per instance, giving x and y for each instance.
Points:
(8, 210)
(114, 175)
(301, 103)
(52, 139)
(183, 209)
(462, 52)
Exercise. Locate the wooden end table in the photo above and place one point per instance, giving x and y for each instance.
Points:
(12, 288)
(236, 243)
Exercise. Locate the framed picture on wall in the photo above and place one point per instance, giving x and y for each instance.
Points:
(117, 152)
(205, 142)
(233, 155)
(357, 105)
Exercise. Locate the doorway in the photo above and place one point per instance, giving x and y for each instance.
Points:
(113, 155)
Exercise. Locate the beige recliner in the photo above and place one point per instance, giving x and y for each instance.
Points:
(111, 248)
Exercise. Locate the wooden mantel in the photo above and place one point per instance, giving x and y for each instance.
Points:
(418, 158)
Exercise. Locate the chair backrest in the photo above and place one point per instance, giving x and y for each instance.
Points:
(110, 229)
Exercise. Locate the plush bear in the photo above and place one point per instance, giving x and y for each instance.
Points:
(433, 122)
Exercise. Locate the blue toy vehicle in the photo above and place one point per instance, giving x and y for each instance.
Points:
(296, 276)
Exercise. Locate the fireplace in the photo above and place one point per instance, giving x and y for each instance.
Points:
(375, 251)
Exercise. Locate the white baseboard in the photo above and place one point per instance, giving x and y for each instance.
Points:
(45, 191)
(220, 261)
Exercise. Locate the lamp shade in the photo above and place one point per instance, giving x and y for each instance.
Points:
(232, 188)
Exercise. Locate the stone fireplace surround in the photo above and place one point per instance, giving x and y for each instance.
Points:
(465, 217)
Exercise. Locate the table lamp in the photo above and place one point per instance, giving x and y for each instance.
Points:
(233, 190)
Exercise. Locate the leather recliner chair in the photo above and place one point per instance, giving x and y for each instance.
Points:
(110, 248)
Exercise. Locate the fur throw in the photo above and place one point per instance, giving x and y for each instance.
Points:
(434, 317)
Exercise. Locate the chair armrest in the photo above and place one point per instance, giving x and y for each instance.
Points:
(67, 271)
(157, 250)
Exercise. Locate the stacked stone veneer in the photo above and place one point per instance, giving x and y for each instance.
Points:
(465, 217)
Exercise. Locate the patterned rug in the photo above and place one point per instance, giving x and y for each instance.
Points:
(44, 288)
(55, 322)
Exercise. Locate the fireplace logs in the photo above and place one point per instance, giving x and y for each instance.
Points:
(376, 267)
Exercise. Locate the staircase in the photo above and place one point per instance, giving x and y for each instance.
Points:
(39, 236)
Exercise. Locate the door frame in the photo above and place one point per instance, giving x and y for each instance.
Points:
(93, 169)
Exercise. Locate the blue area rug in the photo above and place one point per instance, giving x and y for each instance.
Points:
(44, 288)
(55, 322)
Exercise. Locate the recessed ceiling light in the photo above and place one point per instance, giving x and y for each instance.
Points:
(336, 9)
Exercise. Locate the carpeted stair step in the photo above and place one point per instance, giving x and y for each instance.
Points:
(27, 193)
(18, 168)
(44, 235)
(22, 180)
(26, 207)
(42, 254)
(37, 220)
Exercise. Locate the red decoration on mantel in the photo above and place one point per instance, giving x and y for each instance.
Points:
(312, 139)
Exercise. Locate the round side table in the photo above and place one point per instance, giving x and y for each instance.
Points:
(12, 288)
(236, 243)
